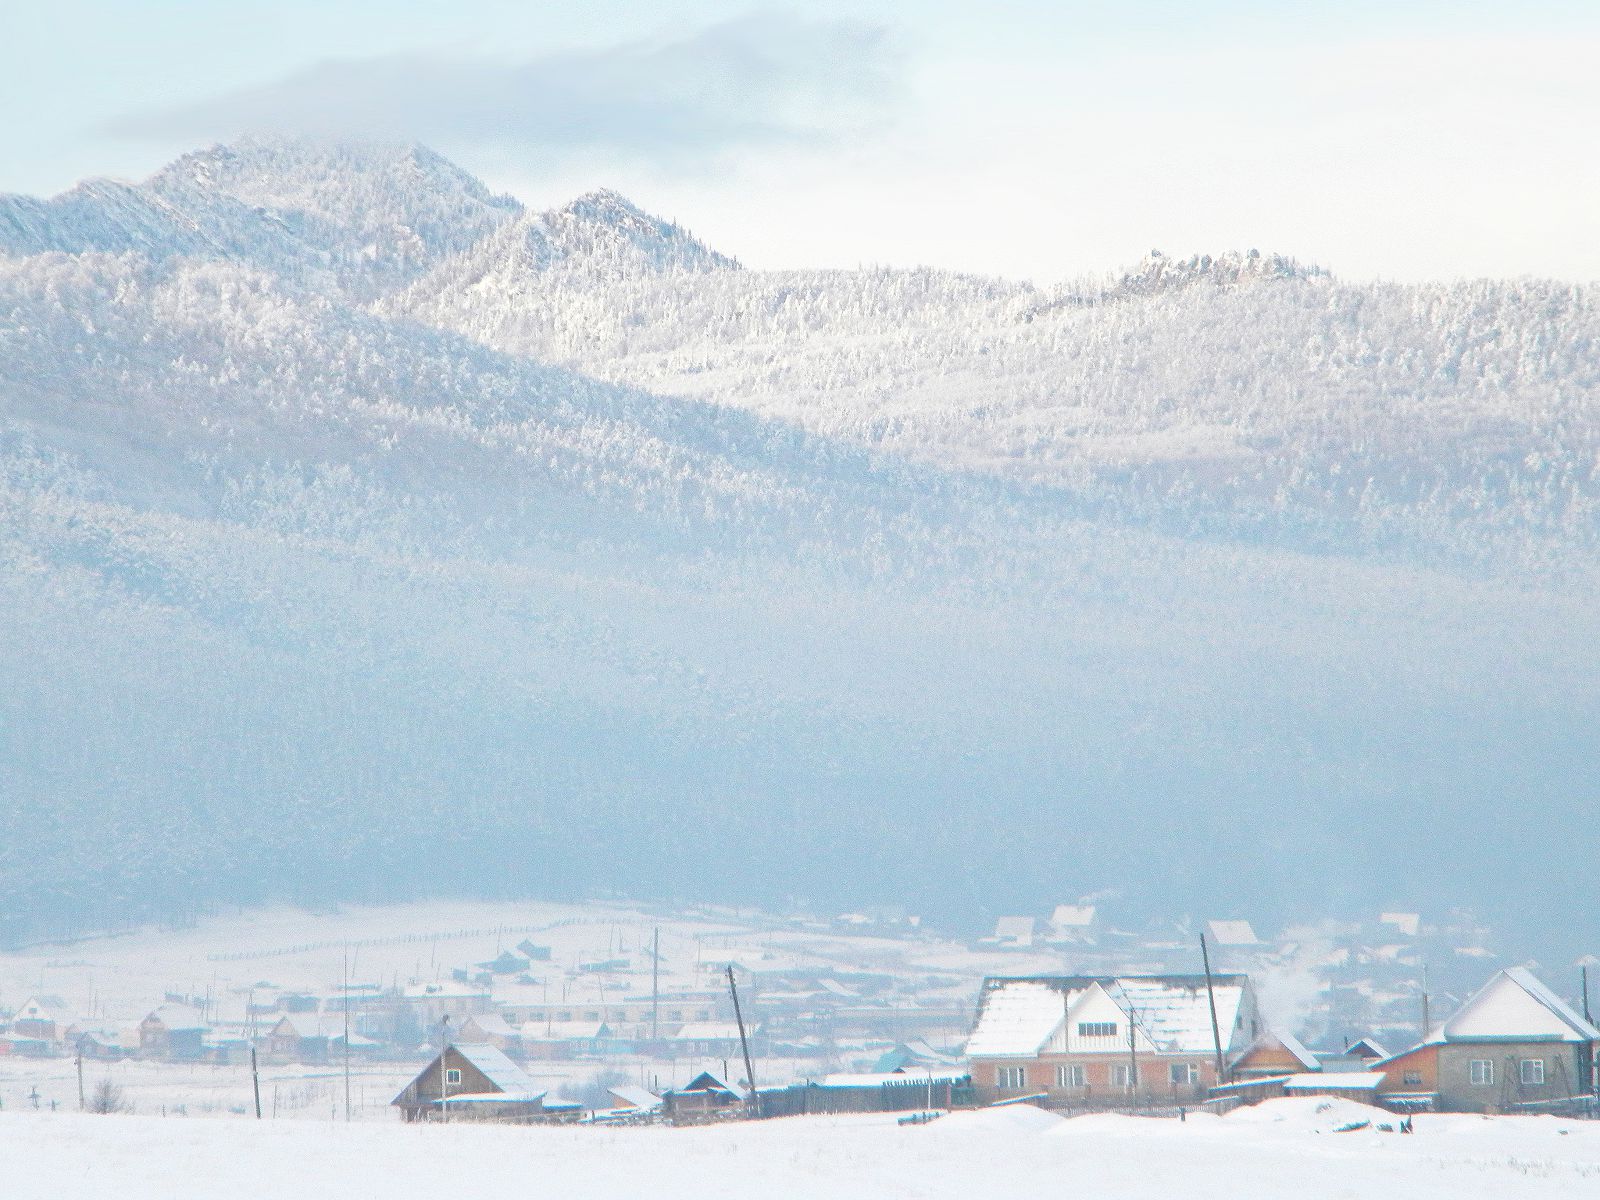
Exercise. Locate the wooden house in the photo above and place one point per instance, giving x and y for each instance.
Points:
(1273, 1053)
(36, 1019)
(1513, 1046)
(565, 1039)
(173, 1031)
(1078, 1039)
(705, 1097)
(471, 1082)
(710, 1039)
(492, 1029)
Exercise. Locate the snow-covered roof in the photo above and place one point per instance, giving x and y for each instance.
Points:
(1015, 1018)
(1288, 1042)
(1015, 929)
(492, 1023)
(1515, 1004)
(1367, 1047)
(1075, 916)
(498, 1069)
(710, 1081)
(710, 1031)
(178, 1016)
(1334, 1081)
(1233, 933)
(1174, 1012)
(564, 1031)
(1406, 923)
(442, 990)
(641, 1099)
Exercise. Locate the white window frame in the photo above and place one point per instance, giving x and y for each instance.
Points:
(1120, 1074)
(1189, 1071)
(1011, 1078)
(1072, 1075)
(1097, 1029)
(1480, 1071)
(452, 1075)
(1531, 1067)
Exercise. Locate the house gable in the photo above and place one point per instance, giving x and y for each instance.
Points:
(1515, 1006)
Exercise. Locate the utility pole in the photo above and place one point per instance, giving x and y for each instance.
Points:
(444, 1079)
(346, 989)
(655, 986)
(1584, 976)
(1211, 999)
(255, 1079)
(82, 1104)
(744, 1044)
(1133, 1060)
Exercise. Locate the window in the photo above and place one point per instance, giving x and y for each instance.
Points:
(1532, 1071)
(1097, 1029)
(566, 1016)
(1481, 1071)
(1183, 1073)
(452, 1075)
(591, 1016)
(1413, 1079)
(1120, 1076)
(1011, 1077)
(1072, 1076)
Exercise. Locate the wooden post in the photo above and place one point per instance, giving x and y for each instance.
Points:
(444, 1079)
(82, 1104)
(1211, 999)
(255, 1080)
(346, 980)
(655, 987)
(1133, 1061)
(744, 1044)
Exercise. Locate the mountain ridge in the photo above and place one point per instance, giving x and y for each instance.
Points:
(346, 544)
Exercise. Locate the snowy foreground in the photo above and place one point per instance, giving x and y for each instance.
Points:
(1283, 1148)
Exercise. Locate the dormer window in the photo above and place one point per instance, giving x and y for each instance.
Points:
(1097, 1029)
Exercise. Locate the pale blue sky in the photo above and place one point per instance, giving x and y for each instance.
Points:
(1408, 140)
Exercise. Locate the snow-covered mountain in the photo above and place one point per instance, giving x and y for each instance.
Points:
(359, 527)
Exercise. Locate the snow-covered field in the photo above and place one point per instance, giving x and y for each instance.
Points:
(1284, 1148)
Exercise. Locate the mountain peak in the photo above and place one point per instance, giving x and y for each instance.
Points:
(611, 232)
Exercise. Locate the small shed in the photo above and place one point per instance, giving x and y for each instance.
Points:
(705, 1097)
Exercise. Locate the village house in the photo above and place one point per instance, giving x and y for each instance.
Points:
(36, 1018)
(1272, 1054)
(1115, 1039)
(314, 1038)
(566, 1039)
(1514, 1045)
(705, 1097)
(173, 1031)
(710, 1039)
(492, 1029)
(471, 1082)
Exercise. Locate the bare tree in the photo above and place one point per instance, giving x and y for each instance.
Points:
(107, 1098)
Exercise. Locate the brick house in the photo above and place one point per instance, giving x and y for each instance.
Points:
(1513, 1045)
(1080, 1039)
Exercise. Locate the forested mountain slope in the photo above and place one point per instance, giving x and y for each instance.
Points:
(363, 534)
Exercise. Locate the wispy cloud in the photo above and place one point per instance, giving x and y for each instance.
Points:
(671, 103)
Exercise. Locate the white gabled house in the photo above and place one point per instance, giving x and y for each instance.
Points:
(1513, 1045)
(1078, 1039)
